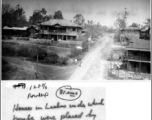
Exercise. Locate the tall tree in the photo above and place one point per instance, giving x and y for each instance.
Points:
(13, 16)
(43, 11)
(135, 25)
(58, 15)
(39, 16)
(79, 19)
(19, 17)
(147, 22)
(5, 8)
(93, 30)
(121, 21)
(7, 15)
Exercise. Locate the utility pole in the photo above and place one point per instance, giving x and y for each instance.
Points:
(111, 63)
(36, 73)
(57, 33)
(37, 58)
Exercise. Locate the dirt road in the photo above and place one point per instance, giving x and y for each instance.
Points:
(94, 65)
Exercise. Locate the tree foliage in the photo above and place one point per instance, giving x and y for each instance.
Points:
(121, 21)
(147, 22)
(93, 30)
(58, 15)
(39, 16)
(6, 8)
(13, 16)
(79, 19)
(135, 25)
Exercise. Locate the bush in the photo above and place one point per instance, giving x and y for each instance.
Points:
(28, 51)
(22, 38)
(52, 58)
(64, 44)
(85, 45)
(62, 60)
(4, 62)
(117, 36)
(85, 42)
(58, 44)
(41, 53)
(23, 51)
(9, 51)
(75, 52)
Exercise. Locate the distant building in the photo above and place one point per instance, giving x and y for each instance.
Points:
(128, 34)
(14, 32)
(145, 33)
(33, 31)
(137, 45)
(57, 29)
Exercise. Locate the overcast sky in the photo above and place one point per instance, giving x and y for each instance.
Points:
(103, 11)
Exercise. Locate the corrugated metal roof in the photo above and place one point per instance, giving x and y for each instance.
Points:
(61, 22)
(14, 28)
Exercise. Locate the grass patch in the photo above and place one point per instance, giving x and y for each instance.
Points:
(64, 44)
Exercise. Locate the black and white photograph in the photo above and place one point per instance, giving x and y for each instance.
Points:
(76, 60)
(76, 40)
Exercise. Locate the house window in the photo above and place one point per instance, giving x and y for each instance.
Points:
(74, 29)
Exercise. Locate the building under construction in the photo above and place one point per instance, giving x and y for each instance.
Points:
(137, 45)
